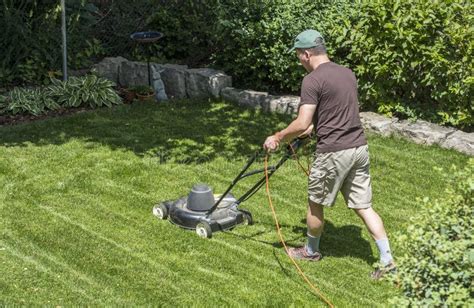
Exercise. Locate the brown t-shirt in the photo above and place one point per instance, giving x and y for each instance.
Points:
(333, 89)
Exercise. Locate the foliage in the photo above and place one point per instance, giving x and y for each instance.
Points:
(31, 101)
(77, 91)
(85, 57)
(188, 27)
(30, 39)
(416, 54)
(142, 90)
(437, 267)
(88, 90)
(254, 40)
(24, 53)
(413, 59)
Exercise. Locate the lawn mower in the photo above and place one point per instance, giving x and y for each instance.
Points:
(205, 212)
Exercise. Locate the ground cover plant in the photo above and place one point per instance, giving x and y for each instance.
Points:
(76, 195)
(88, 91)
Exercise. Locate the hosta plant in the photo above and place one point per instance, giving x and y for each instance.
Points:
(32, 101)
(87, 90)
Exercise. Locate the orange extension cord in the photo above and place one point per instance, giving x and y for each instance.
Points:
(300, 271)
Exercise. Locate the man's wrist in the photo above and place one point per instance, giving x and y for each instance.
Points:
(279, 136)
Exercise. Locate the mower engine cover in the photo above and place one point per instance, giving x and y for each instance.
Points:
(200, 198)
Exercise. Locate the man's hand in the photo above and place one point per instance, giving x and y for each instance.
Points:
(271, 143)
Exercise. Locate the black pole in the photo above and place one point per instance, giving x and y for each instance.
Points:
(63, 32)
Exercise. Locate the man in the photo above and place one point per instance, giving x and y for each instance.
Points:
(329, 102)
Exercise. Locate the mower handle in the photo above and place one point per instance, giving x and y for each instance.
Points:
(291, 148)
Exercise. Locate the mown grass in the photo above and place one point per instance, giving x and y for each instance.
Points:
(76, 197)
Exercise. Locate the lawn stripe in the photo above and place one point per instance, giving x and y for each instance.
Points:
(43, 268)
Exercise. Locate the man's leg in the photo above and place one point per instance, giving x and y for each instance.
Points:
(375, 226)
(315, 224)
(373, 222)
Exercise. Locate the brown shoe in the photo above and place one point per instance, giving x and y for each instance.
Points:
(379, 272)
(300, 253)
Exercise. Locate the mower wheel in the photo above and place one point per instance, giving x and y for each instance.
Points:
(203, 229)
(248, 219)
(160, 211)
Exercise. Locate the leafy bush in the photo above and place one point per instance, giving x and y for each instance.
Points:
(188, 27)
(31, 101)
(253, 39)
(88, 90)
(416, 56)
(412, 58)
(30, 39)
(437, 267)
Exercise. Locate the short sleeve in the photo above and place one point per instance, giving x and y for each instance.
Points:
(309, 91)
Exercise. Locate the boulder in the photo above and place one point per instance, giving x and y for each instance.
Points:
(460, 141)
(110, 68)
(422, 132)
(282, 104)
(231, 94)
(256, 99)
(174, 79)
(206, 82)
(377, 123)
(133, 74)
(253, 99)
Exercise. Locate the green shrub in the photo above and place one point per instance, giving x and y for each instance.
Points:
(188, 27)
(29, 101)
(254, 38)
(437, 268)
(30, 39)
(88, 90)
(413, 59)
(415, 56)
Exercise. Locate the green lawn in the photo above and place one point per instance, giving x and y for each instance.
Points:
(77, 229)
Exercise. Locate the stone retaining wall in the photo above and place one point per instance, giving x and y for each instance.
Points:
(178, 81)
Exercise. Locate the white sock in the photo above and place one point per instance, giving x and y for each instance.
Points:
(312, 246)
(384, 249)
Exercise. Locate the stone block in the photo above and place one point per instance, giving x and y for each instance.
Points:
(206, 82)
(174, 79)
(377, 123)
(422, 132)
(133, 74)
(110, 68)
(460, 141)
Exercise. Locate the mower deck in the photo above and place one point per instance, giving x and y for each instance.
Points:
(226, 216)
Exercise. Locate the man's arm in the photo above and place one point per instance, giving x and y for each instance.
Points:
(300, 125)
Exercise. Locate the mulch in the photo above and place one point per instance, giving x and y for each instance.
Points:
(6, 120)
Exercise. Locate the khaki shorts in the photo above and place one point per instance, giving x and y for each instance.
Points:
(346, 171)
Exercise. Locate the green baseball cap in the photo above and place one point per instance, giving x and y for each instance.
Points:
(306, 39)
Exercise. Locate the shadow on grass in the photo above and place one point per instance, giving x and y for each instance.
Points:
(178, 131)
(345, 241)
